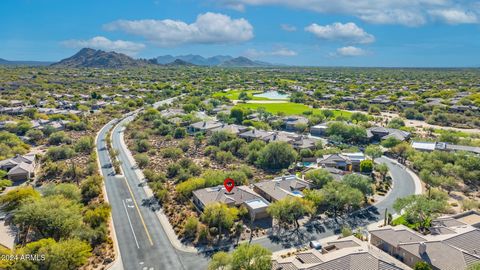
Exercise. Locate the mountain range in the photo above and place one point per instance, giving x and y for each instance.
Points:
(217, 60)
(4, 62)
(92, 58)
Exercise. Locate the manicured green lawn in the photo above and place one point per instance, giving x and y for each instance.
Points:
(289, 108)
(233, 94)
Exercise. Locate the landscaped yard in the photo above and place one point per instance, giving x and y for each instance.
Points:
(289, 108)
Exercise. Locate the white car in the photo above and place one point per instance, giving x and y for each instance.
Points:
(316, 245)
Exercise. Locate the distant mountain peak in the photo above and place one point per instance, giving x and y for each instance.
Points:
(88, 57)
(217, 60)
(179, 62)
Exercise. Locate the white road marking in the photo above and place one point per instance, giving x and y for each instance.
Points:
(130, 222)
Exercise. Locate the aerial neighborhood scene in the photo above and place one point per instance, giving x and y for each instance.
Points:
(240, 135)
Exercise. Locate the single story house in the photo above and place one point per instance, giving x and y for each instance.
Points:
(452, 244)
(443, 146)
(319, 130)
(281, 187)
(238, 196)
(203, 126)
(255, 134)
(347, 253)
(338, 161)
(382, 133)
(19, 168)
(290, 122)
(233, 129)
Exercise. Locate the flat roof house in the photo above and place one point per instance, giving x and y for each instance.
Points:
(281, 187)
(443, 146)
(19, 168)
(238, 196)
(347, 253)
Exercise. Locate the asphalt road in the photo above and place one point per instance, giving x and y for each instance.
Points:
(144, 244)
(142, 241)
(403, 185)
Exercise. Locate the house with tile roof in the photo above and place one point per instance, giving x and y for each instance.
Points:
(19, 168)
(382, 133)
(203, 126)
(281, 187)
(452, 244)
(342, 254)
(237, 197)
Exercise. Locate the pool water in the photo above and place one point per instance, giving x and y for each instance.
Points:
(272, 95)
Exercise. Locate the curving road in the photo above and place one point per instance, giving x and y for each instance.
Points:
(143, 242)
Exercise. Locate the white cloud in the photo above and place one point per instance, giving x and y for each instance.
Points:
(207, 29)
(454, 16)
(404, 12)
(103, 43)
(283, 52)
(350, 51)
(288, 27)
(348, 32)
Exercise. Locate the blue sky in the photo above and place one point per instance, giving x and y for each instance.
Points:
(426, 33)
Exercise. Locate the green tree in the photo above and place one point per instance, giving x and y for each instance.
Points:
(366, 166)
(64, 255)
(16, 197)
(276, 156)
(359, 117)
(475, 266)
(373, 151)
(396, 123)
(290, 209)
(237, 114)
(390, 142)
(91, 187)
(35, 135)
(53, 216)
(179, 133)
(251, 257)
(220, 261)
(219, 215)
(382, 169)
(339, 197)
(421, 265)
(217, 137)
(97, 214)
(420, 209)
(243, 96)
(319, 177)
(359, 182)
(67, 190)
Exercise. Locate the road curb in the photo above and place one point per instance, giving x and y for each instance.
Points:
(172, 236)
(416, 179)
(117, 263)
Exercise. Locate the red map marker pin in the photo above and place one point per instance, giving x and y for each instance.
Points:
(229, 184)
